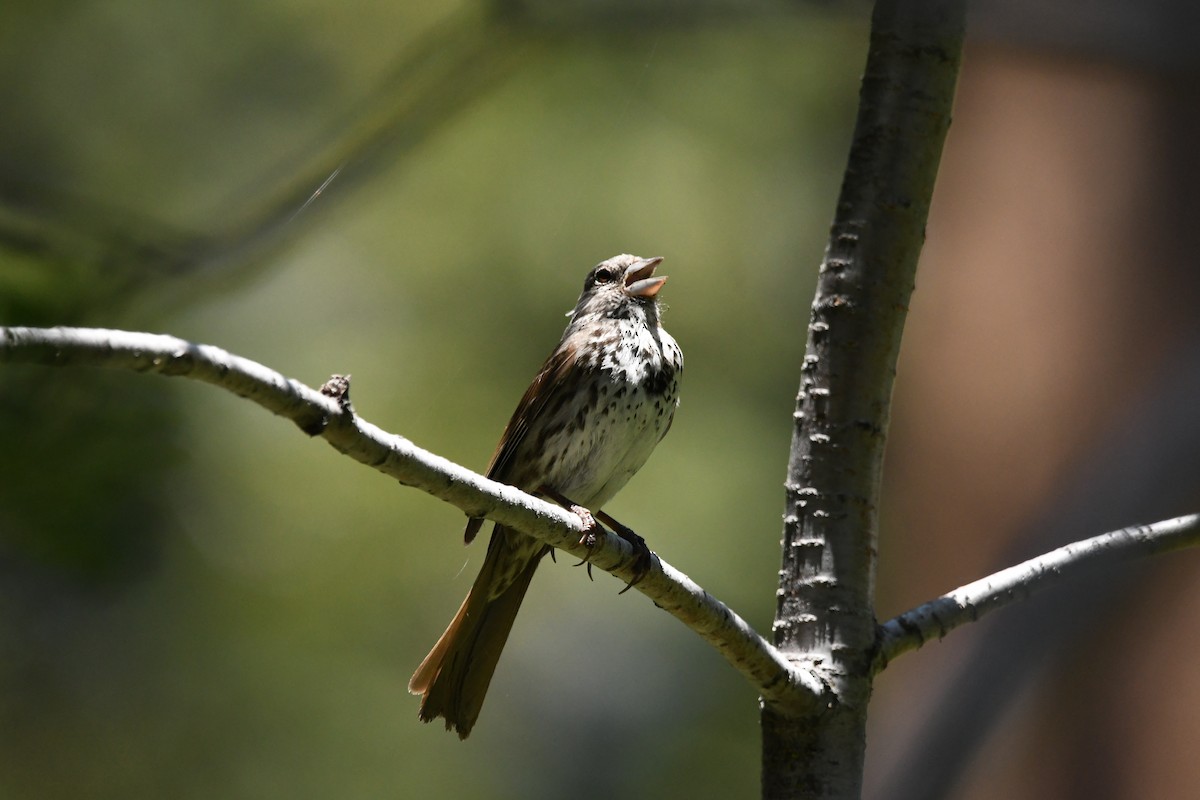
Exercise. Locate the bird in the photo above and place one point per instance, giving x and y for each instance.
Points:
(589, 420)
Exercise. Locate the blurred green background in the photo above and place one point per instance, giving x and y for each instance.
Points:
(199, 601)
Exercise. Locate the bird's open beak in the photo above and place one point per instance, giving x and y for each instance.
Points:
(639, 280)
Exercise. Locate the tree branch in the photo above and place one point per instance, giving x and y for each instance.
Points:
(914, 628)
(333, 418)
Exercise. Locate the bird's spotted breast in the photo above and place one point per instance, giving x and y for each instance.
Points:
(608, 429)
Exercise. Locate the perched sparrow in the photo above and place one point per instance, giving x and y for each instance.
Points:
(589, 420)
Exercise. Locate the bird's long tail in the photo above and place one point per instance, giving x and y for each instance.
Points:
(453, 679)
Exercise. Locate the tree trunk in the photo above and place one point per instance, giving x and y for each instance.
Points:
(825, 619)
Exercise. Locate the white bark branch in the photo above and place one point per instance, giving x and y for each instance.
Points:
(914, 628)
(334, 420)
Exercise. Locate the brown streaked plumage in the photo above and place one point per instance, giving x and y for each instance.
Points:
(587, 423)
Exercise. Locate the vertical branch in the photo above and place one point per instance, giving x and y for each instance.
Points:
(824, 618)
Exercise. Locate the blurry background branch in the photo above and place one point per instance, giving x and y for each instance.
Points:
(445, 69)
(449, 63)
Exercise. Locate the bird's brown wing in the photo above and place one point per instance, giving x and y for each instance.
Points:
(547, 387)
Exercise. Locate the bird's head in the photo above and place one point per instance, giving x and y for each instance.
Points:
(622, 287)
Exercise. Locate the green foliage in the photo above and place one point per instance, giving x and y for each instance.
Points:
(280, 595)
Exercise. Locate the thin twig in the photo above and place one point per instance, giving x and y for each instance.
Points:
(938, 617)
(333, 418)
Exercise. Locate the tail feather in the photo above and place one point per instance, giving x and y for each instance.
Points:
(454, 677)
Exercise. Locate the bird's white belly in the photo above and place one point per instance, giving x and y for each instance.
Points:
(614, 440)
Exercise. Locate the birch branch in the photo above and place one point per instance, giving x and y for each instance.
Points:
(328, 413)
(914, 628)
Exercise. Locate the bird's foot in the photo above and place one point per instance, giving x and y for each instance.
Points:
(593, 534)
(642, 554)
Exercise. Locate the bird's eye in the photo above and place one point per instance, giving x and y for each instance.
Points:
(605, 275)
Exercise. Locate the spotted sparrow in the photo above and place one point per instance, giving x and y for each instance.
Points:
(587, 423)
